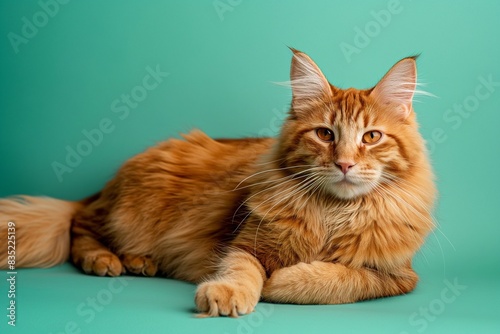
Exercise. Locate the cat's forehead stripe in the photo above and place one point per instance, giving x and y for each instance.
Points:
(348, 107)
(367, 118)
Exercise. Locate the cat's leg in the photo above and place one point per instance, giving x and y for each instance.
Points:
(93, 257)
(235, 289)
(333, 283)
(87, 248)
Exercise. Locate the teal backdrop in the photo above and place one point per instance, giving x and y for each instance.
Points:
(84, 85)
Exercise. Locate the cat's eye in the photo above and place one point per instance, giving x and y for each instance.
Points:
(325, 134)
(372, 137)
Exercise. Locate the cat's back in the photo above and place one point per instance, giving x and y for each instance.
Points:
(196, 156)
(196, 169)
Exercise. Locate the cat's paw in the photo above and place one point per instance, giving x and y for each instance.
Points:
(139, 265)
(216, 298)
(102, 264)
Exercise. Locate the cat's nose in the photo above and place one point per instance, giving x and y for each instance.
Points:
(344, 166)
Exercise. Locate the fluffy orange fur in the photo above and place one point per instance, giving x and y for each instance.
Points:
(332, 211)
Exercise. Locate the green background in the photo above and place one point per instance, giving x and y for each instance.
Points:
(222, 59)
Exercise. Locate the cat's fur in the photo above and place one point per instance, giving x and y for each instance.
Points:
(314, 216)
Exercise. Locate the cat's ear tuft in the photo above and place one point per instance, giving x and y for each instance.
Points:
(307, 81)
(397, 87)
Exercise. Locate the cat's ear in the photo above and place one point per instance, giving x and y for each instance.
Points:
(397, 87)
(307, 81)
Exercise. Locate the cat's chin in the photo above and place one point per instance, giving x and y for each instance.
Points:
(349, 190)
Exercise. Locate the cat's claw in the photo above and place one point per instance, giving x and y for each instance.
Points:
(215, 298)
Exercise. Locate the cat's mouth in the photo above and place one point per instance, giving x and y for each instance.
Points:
(352, 184)
(349, 186)
(347, 180)
(347, 183)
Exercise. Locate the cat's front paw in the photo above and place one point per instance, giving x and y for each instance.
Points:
(216, 298)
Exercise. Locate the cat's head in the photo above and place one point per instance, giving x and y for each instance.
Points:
(348, 141)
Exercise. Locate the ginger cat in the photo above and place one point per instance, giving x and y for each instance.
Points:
(331, 211)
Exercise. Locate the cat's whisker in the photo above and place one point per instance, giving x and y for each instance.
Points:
(420, 202)
(393, 178)
(268, 171)
(290, 178)
(298, 195)
(417, 200)
(420, 92)
(396, 209)
(399, 182)
(267, 162)
(305, 191)
(405, 183)
(312, 192)
(307, 182)
(302, 192)
(252, 196)
(290, 203)
(274, 180)
(432, 221)
(407, 205)
(270, 198)
(300, 186)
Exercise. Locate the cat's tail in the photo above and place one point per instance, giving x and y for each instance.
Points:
(35, 231)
